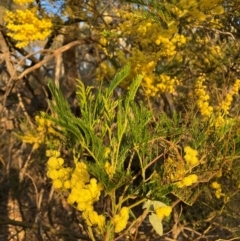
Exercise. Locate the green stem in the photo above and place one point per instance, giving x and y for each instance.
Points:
(137, 203)
(90, 233)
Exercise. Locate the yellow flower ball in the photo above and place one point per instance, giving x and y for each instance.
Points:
(120, 220)
(187, 181)
(82, 206)
(116, 218)
(215, 185)
(190, 151)
(55, 163)
(193, 177)
(164, 211)
(71, 198)
(67, 184)
(52, 153)
(101, 223)
(124, 212)
(191, 156)
(84, 195)
(218, 193)
(53, 174)
(90, 217)
(194, 161)
(120, 225)
(57, 183)
(180, 184)
(109, 169)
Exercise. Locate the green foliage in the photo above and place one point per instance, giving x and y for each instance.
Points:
(136, 155)
(128, 131)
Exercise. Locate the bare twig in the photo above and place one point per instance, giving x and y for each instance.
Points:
(55, 53)
(24, 168)
(6, 54)
(217, 31)
(24, 109)
(58, 70)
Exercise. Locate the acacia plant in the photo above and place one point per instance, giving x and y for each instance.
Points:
(119, 153)
(122, 152)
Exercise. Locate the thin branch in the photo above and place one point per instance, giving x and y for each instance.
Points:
(217, 31)
(55, 53)
(6, 54)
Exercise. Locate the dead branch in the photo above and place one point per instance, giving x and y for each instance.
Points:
(53, 55)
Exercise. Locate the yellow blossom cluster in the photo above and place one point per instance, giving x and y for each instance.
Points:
(166, 42)
(178, 170)
(218, 189)
(43, 133)
(167, 45)
(83, 190)
(220, 111)
(167, 84)
(120, 219)
(25, 26)
(56, 171)
(225, 105)
(159, 84)
(109, 169)
(149, 31)
(92, 218)
(203, 98)
(44, 125)
(153, 49)
(163, 211)
(188, 181)
(191, 160)
(158, 46)
(179, 39)
(22, 2)
(191, 156)
(199, 11)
